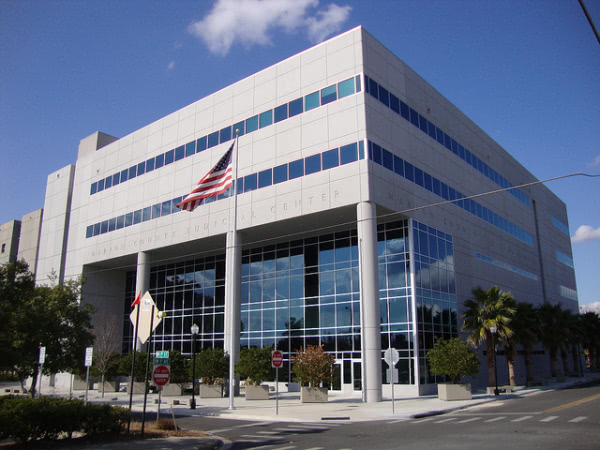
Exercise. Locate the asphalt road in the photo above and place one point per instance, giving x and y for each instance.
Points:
(565, 419)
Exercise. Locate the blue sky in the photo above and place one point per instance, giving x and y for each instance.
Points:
(528, 73)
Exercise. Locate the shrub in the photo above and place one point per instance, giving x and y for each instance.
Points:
(313, 366)
(140, 365)
(453, 358)
(212, 365)
(254, 364)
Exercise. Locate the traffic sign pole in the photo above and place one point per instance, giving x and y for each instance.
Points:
(276, 362)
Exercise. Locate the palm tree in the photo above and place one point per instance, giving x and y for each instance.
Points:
(526, 329)
(487, 309)
(553, 333)
(590, 333)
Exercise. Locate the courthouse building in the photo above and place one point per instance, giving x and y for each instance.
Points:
(355, 229)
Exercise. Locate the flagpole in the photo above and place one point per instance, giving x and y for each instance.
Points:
(231, 300)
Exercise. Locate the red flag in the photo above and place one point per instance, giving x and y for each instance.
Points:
(137, 300)
(215, 182)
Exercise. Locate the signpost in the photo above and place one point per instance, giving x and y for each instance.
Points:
(41, 360)
(391, 357)
(276, 362)
(89, 352)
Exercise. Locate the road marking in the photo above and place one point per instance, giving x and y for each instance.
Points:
(291, 430)
(267, 432)
(312, 427)
(495, 419)
(575, 403)
(549, 419)
(578, 419)
(253, 436)
(521, 419)
(397, 421)
(246, 425)
(469, 420)
(315, 448)
(424, 420)
(446, 420)
(285, 448)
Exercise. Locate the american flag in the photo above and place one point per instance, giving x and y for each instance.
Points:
(215, 182)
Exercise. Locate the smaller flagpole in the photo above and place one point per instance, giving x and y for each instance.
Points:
(137, 322)
(231, 302)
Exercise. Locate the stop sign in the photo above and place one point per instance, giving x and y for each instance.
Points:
(160, 375)
(276, 359)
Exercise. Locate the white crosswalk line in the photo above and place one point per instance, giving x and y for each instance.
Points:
(291, 430)
(424, 420)
(446, 420)
(315, 448)
(495, 419)
(521, 419)
(472, 419)
(548, 419)
(397, 421)
(578, 419)
(267, 432)
(285, 448)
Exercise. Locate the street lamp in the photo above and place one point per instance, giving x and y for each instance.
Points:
(493, 330)
(195, 330)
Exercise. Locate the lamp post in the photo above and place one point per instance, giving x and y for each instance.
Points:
(195, 329)
(493, 330)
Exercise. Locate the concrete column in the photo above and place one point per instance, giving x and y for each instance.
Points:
(233, 280)
(142, 279)
(413, 306)
(369, 299)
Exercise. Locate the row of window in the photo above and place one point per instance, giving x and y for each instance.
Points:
(568, 293)
(262, 120)
(506, 266)
(561, 226)
(399, 107)
(284, 172)
(412, 173)
(565, 259)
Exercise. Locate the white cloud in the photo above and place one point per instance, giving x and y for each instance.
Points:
(251, 22)
(586, 233)
(596, 161)
(171, 65)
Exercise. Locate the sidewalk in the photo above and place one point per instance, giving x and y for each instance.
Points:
(338, 409)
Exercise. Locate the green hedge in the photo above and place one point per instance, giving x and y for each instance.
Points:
(25, 418)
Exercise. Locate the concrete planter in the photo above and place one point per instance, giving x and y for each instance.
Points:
(210, 391)
(138, 387)
(254, 392)
(79, 383)
(110, 386)
(454, 391)
(313, 395)
(173, 389)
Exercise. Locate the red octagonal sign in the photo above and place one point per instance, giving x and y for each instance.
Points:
(276, 359)
(160, 375)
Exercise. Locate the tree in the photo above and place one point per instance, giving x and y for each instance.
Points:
(254, 364)
(139, 371)
(453, 358)
(552, 331)
(106, 346)
(491, 308)
(212, 365)
(590, 332)
(526, 329)
(313, 366)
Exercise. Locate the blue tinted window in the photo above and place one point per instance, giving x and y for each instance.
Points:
(251, 124)
(120, 222)
(454, 146)
(394, 103)
(418, 176)
(387, 159)
(348, 154)
(461, 151)
(96, 229)
(156, 211)
(358, 88)
(213, 139)
(128, 219)
(132, 172)
(100, 185)
(423, 123)
(311, 101)
(124, 174)
(409, 171)
(141, 168)
(265, 178)
(266, 118)
(367, 80)
(404, 110)
(165, 209)
(225, 135)
(160, 161)
(89, 231)
(312, 164)
(295, 107)
(107, 182)
(250, 182)
(93, 188)
(328, 95)
(384, 96)
(427, 181)
(361, 150)
(239, 127)
(346, 88)
(104, 227)
(431, 130)
(190, 148)
(398, 166)
(147, 214)
(414, 117)
(179, 153)
(240, 185)
(137, 216)
(175, 202)
(447, 143)
(201, 144)
(281, 113)
(280, 174)
(169, 157)
(440, 136)
(330, 159)
(150, 165)
(377, 154)
(436, 187)
(373, 88)
(117, 178)
(112, 224)
(296, 169)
